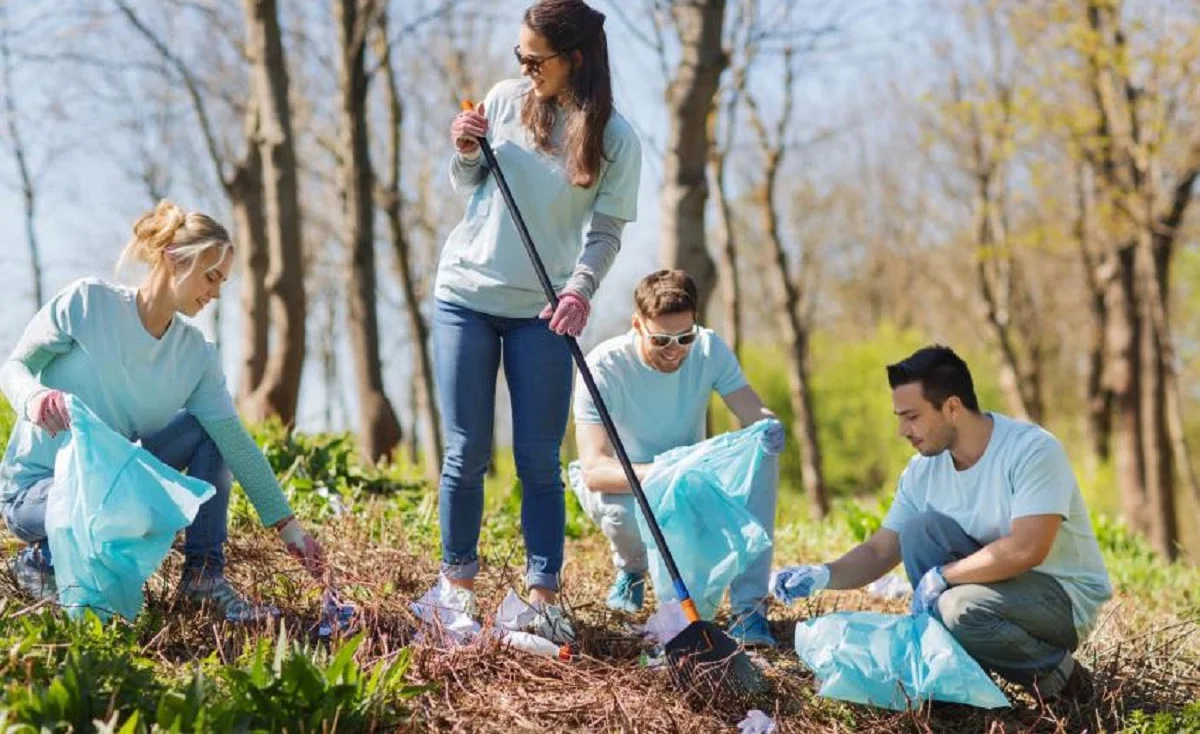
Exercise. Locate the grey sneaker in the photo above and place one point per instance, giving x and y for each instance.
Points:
(33, 575)
(553, 624)
(217, 591)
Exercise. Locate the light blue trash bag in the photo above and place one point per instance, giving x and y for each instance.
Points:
(111, 516)
(698, 495)
(897, 662)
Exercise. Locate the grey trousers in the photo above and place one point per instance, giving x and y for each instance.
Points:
(1021, 628)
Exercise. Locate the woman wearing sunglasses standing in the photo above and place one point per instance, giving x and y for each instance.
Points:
(573, 164)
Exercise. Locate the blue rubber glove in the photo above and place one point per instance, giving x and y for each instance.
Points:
(773, 438)
(931, 586)
(797, 582)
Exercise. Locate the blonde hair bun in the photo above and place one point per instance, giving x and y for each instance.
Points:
(168, 229)
(153, 232)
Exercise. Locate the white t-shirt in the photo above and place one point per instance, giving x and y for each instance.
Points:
(1023, 471)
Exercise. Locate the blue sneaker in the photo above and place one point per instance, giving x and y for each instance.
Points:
(628, 593)
(751, 630)
(33, 575)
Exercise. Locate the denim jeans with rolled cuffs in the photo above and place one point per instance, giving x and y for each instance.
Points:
(1021, 628)
(183, 445)
(469, 348)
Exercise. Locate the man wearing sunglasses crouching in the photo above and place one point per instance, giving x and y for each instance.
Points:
(656, 380)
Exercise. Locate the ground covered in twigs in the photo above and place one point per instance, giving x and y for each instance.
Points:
(185, 669)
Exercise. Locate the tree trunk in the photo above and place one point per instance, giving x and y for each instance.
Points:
(804, 424)
(250, 233)
(795, 333)
(379, 429)
(1099, 398)
(425, 400)
(731, 294)
(1158, 464)
(413, 442)
(1098, 271)
(28, 193)
(1142, 367)
(690, 99)
(1123, 380)
(279, 391)
(327, 351)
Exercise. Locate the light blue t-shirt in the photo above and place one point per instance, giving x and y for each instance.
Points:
(484, 265)
(657, 411)
(95, 347)
(1023, 471)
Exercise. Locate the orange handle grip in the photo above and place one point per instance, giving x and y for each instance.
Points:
(689, 610)
(467, 105)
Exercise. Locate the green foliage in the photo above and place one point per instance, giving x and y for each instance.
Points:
(862, 517)
(1118, 539)
(97, 673)
(861, 452)
(322, 476)
(856, 428)
(7, 419)
(279, 685)
(61, 675)
(1186, 721)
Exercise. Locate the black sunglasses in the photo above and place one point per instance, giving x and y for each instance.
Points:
(533, 63)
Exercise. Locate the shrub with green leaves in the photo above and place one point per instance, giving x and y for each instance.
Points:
(62, 675)
(322, 477)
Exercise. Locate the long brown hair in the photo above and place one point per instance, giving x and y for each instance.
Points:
(568, 26)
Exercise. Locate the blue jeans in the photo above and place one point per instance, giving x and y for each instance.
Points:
(468, 347)
(1021, 628)
(182, 444)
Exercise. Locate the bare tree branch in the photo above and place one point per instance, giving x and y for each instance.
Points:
(189, 82)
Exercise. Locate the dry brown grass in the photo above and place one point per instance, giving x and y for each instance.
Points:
(483, 688)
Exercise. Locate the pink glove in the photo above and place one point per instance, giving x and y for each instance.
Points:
(303, 547)
(48, 410)
(468, 126)
(571, 315)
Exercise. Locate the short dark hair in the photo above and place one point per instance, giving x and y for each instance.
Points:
(941, 372)
(666, 292)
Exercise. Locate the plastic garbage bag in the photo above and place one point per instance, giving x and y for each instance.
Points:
(111, 516)
(890, 587)
(698, 495)
(666, 623)
(897, 662)
(756, 722)
(514, 613)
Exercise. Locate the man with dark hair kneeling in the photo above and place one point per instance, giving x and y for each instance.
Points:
(991, 528)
